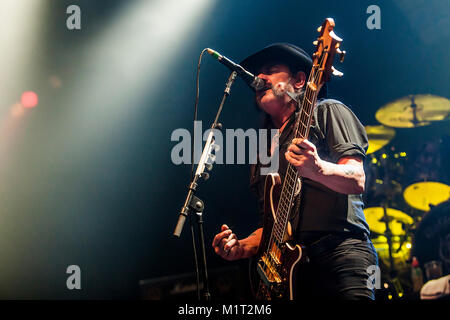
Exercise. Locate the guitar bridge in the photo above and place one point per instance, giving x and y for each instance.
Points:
(267, 270)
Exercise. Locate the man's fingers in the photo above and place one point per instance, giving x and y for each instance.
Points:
(230, 245)
(232, 236)
(295, 159)
(308, 145)
(303, 144)
(225, 241)
(290, 159)
(220, 236)
(295, 149)
(224, 227)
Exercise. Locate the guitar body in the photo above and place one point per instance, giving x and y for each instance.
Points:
(274, 266)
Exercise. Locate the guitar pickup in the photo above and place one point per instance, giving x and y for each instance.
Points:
(268, 273)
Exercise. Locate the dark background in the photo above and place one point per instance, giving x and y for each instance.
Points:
(87, 177)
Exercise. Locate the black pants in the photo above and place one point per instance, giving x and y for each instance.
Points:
(338, 272)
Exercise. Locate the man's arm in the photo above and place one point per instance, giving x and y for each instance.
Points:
(347, 176)
(227, 245)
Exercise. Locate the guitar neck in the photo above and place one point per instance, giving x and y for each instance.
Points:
(302, 127)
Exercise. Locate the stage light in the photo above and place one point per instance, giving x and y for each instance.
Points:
(29, 99)
(408, 245)
(21, 38)
(384, 155)
(125, 63)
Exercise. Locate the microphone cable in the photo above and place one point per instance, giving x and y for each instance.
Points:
(197, 97)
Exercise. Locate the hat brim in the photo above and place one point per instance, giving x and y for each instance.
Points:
(292, 56)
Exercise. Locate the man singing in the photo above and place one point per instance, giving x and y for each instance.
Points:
(328, 217)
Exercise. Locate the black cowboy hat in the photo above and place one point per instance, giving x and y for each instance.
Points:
(294, 57)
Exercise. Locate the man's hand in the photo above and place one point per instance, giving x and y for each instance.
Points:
(227, 245)
(302, 154)
(346, 176)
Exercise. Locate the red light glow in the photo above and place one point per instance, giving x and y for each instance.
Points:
(29, 99)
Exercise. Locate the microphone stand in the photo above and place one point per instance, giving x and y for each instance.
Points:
(192, 203)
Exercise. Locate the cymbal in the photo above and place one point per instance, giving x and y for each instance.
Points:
(375, 215)
(400, 113)
(400, 249)
(379, 136)
(420, 195)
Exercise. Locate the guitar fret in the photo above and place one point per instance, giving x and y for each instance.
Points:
(272, 256)
(290, 179)
(277, 231)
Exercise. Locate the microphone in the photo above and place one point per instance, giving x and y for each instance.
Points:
(252, 80)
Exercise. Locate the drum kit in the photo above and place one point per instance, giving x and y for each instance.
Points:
(404, 180)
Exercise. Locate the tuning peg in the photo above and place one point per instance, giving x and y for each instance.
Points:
(336, 72)
(205, 176)
(341, 54)
(319, 29)
(208, 166)
(215, 147)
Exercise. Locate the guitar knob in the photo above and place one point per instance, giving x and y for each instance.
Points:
(215, 147)
(336, 72)
(341, 54)
(205, 176)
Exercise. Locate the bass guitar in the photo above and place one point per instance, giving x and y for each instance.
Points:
(277, 258)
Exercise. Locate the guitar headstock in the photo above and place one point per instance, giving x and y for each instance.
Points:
(327, 45)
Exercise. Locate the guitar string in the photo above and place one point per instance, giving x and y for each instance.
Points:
(277, 231)
(313, 76)
(304, 126)
(288, 177)
(308, 114)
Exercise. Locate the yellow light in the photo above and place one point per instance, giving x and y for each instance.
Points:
(390, 297)
(408, 245)
(384, 155)
(374, 160)
(396, 155)
(400, 294)
(386, 285)
(402, 154)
